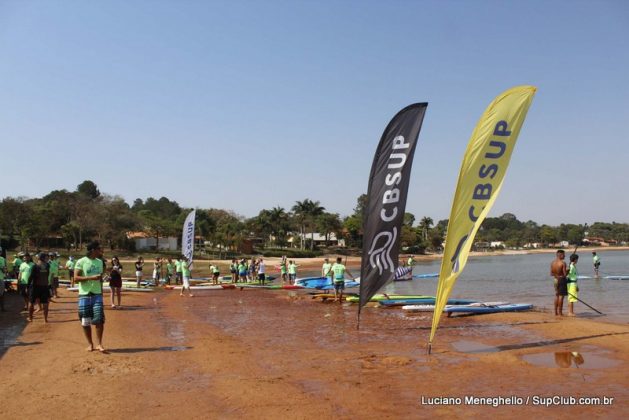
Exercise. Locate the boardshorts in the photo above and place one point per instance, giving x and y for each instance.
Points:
(572, 292)
(561, 288)
(339, 285)
(91, 310)
(41, 293)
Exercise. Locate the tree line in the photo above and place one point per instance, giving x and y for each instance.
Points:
(71, 218)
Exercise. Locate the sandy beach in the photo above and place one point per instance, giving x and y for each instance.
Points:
(266, 353)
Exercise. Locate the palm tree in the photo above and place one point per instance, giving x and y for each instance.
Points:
(300, 209)
(306, 213)
(278, 220)
(425, 224)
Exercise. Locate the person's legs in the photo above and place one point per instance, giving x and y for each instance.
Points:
(113, 292)
(560, 305)
(87, 332)
(99, 320)
(45, 312)
(31, 310)
(118, 295)
(100, 328)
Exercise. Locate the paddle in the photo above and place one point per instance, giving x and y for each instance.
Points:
(575, 251)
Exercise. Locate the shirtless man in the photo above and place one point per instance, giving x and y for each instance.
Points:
(559, 272)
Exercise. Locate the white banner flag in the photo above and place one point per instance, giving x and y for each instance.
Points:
(187, 237)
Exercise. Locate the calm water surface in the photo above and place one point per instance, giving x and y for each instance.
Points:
(526, 279)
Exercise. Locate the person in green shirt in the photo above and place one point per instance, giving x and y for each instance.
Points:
(17, 262)
(170, 270)
(39, 282)
(339, 271)
(216, 272)
(70, 268)
(178, 271)
(573, 289)
(242, 271)
(88, 273)
(596, 261)
(185, 272)
(326, 271)
(22, 280)
(411, 261)
(3, 271)
(292, 272)
(283, 269)
(53, 260)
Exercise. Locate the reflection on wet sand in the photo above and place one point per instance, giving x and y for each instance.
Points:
(571, 359)
(564, 359)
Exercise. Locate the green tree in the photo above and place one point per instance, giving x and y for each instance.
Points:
(425, 224)
(88, 189)
(328, 223)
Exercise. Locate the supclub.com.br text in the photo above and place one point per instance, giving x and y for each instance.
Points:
(535, 400)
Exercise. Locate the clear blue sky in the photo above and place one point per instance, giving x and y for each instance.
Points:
(246, 105)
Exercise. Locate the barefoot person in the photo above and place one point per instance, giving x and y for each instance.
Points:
(261, 271)
(216, 272)
(115, 282)
(178, 272)
(326, 271)
(53, 261)
(185, 271)
(23, 278)
(3, 272)
(292, 272)
(139, 264)
(573, 289)
(39, 283)
(559, 272)
(157, 271)
(70, 268)
(339, 271)
(88, 273)
(170, 270)
(284, 270)
(596, 261)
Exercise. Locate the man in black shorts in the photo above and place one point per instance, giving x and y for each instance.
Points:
(559, 272)
(39, 286)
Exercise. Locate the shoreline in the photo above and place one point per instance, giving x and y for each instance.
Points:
(263, 354)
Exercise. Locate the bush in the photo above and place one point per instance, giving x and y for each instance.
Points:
(289, 252)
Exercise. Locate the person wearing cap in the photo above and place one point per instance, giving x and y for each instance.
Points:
(70, 268)
(23, 278)
(53, 260)
(39, 282)
(88, 273)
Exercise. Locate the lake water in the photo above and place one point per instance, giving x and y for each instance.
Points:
(526, 279)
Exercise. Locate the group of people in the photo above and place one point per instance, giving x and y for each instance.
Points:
(175, 270)
(37, 281)
(243, 271)
(566, 279)
(335, 273)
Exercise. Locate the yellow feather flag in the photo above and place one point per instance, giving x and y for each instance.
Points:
(480, 179)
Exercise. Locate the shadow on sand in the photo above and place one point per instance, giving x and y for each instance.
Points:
(149, 349)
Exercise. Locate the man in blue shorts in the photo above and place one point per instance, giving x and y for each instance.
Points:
(339, 271)
(88, 274)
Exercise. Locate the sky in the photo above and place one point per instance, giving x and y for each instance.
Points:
(247, 105)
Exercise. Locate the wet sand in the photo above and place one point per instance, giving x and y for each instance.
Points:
(264, 354)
